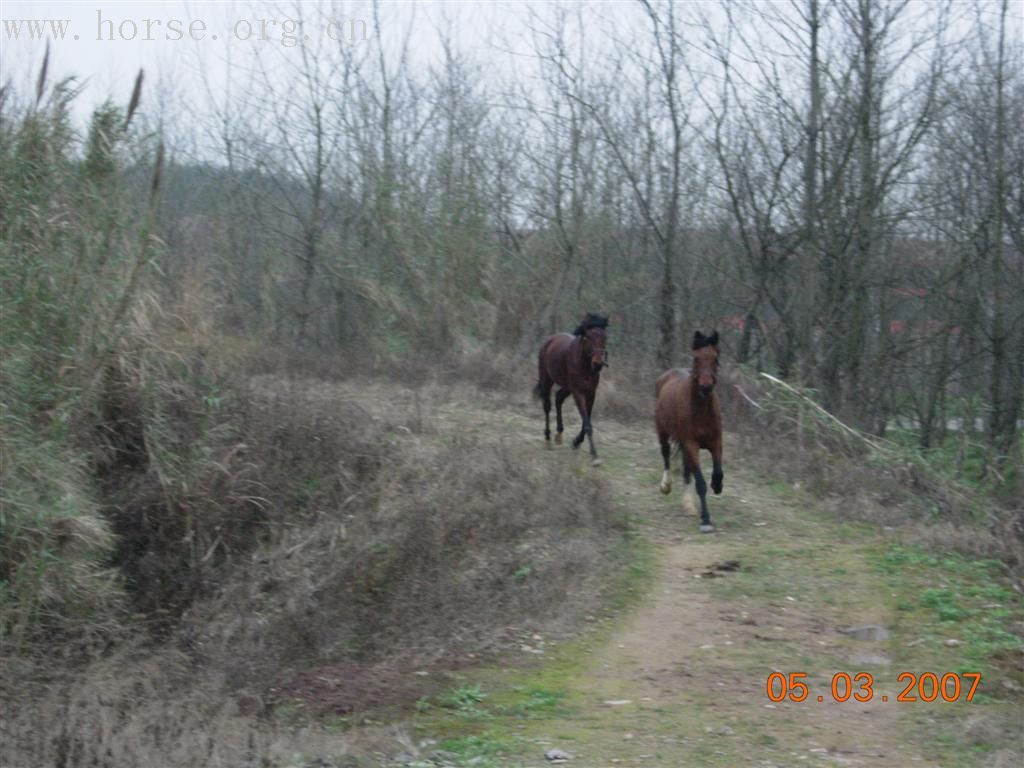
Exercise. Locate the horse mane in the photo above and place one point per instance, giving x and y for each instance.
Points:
(592, 320)
(700, 340)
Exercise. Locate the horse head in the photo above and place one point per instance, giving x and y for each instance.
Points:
(594, 335)
(705, 362)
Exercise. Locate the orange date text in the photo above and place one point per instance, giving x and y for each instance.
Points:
(927, 686)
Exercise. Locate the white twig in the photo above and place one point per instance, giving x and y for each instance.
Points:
(747, 397)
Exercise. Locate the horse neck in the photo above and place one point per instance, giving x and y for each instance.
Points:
(576, 349)
(578, 358)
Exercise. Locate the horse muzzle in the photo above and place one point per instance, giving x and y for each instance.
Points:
(704, 391)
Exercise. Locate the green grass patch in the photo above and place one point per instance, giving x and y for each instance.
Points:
(538, 701)
(507, 702)
(466, 701)
(959, 606)
(480, 749)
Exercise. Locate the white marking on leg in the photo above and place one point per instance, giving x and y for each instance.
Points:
(689, 507)
(666, 482)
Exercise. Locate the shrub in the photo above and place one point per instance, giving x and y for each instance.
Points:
(413, 542)
(71, 261)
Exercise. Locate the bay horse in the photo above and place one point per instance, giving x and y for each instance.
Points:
(688, 413)
(573, 362)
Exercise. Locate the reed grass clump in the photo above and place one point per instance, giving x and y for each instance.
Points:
(74, 250)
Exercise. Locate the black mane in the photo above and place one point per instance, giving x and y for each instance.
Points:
(700, 340)
(592, 320)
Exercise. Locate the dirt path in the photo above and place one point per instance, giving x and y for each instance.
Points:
(695, 656)
(680, 678)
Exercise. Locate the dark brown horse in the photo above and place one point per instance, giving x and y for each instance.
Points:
(688, 414)
(573, 361)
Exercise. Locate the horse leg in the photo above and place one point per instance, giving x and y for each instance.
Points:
(690, 461)
(702, 492)
(583, 404)
(717, 475)
(691, 466)
(589, 427)
(560, 397)
(666, 456)
(544, 391)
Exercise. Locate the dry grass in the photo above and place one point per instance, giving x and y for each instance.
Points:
(626, 393)
(174, 476)
(140, 708)
(424, 544)
(339, 532)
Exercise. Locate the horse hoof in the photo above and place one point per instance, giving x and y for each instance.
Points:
(596, 462)
(665, 488)
(558, 439)
(707, 528)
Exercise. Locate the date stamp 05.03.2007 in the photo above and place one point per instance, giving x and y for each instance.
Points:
(927, 686)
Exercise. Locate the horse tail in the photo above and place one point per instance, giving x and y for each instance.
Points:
(540, 370)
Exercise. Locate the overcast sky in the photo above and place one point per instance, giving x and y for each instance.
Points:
(105, 42)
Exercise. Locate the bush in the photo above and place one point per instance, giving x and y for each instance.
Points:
(893, 483)
(417, 542)
(71, 260)
(54, 544)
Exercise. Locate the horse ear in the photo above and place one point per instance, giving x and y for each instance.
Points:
(713, 339)
(698, 340)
